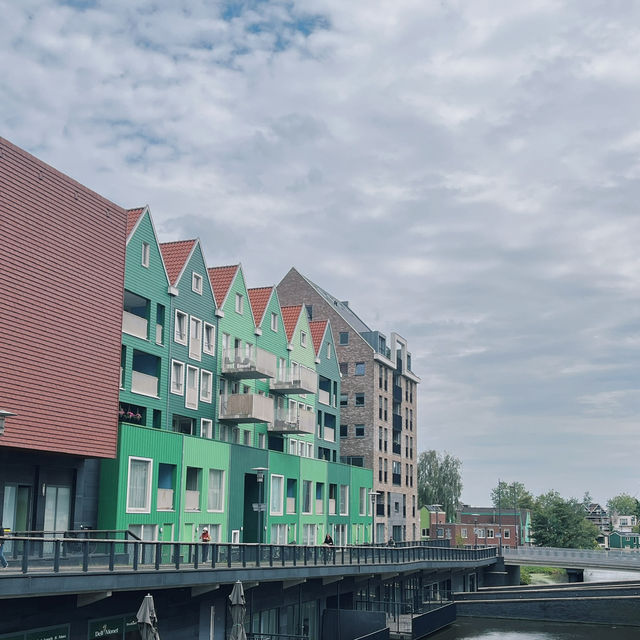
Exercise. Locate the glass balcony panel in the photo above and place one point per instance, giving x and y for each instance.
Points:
(246, 407)
(144, 384)
(192, 501)
(298, 380)
(237, 363)
(165, 500)
(134, 325)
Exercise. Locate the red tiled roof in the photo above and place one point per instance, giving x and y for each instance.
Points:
(221, 279)
(259, 298)
(133, 215)
(290, 317)
(175, 254)
(317, 328)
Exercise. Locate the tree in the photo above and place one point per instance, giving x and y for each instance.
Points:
(439, 481)
(556, 522)
(623, 505)
(511, 496)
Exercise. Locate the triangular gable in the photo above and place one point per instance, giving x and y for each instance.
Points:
(290, 317)
(259, 300)
(175, 256)
(318, 329)
(134, 220)
(221, 279)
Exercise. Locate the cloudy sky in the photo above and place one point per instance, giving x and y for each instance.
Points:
(465, 173)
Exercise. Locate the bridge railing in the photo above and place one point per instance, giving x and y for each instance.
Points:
(555, 555)
(45, 555)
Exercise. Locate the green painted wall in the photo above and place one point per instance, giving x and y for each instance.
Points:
(327, 366)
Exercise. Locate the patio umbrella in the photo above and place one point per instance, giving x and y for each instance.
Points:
(238, 608)
(147, 620)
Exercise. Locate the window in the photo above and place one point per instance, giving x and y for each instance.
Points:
(507, 533)
(293, 447)
(303, 339)
(344, 399)
(490, 533)
(209, 342)
(195, 338)
(206, 428)
(215, 501)
(191, 399)
(196, 283)
(306, 496)
(139, 487)
(359, 399)
(274, 321)
(177, 377)
(463, 533)
(344, 337)
(344, 369)
(277, 484)
(180, 329)
(278, 534)
(145, 254)
(206, 385)
(246, 437)
(261, 441)
(239, 303)
(359, 429)
(359, 369)
(344, 431)
(363, 501)
(344, 500)
(328, 351)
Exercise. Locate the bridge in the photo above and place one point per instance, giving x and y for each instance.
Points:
(573, 558)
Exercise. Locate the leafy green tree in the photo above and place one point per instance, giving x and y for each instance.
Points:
(623, 505)
(439, 481)
(556, 522)
(512, 496)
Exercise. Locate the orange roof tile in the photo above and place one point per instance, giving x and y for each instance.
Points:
(175, 255)
(221, 279)
(290, 317)
(133, 215)
(317, 328)
(259, 298)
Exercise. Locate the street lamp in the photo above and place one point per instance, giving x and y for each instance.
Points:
(475, 531)
(3, 415)
(373, 495)
(260, 507)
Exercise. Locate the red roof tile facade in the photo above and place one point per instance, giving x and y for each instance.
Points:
(175, 256)
(221, 279)
(317, 327)
(290, 317)
(259, 299)
(62, 260)
(133, 215)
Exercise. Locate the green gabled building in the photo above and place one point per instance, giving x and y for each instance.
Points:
(327, 408)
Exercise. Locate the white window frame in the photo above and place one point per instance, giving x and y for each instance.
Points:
(145, 254)
(196, 283)
(177, 387)
(239, 303)
(195, 338)
(149, 463)
(507, 533)
(206, 390)
(193, 405)
(328, 351)
(279, 497)
(293, 447)
(209, 328)
(206, 428)
(363, 501)
(303, 339)
(279, 533)
(274, 322)
(344, 504)
(177, 336)
(309, 485)
(222, 490)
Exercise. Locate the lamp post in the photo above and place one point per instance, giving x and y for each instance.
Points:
(373, 495)
(3, 416)
(499, 519)
(475, 531)
(260, 507)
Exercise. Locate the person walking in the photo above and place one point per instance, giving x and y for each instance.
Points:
(328, 542)
(3, 560)
(206, 539)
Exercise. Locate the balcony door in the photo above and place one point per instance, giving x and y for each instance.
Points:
(57, 511)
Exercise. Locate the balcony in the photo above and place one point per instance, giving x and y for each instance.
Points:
(332, 506)
(294, 421)
(319, 506)
(134, 325)
(256, 365)
(246, 407)
(324, 397)
(397, 393)
(144, 384)
(165, 500)
(397, 422)
(397, 448)
(191, 500)
(380, 509)
(329, 434)
(291, 505)
(296, 380)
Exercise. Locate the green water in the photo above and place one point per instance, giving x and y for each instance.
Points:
(492, 629)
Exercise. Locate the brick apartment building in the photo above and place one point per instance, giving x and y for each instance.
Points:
(378, 401)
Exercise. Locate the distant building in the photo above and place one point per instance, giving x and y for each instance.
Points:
(626, 540)
(623, 524)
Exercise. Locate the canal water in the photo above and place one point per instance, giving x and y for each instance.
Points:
(493, 629)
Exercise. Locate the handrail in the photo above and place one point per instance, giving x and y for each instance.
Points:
(46, 555)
